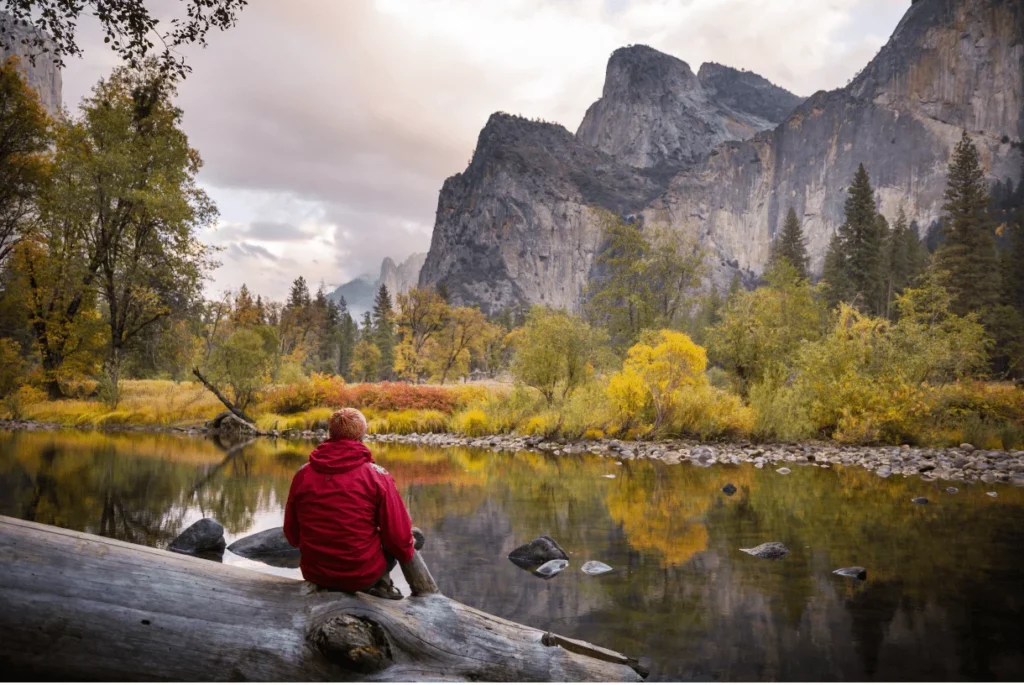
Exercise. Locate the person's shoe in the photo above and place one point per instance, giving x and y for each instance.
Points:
(419, 539)
(384, 589)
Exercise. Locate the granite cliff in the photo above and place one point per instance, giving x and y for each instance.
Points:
(724, 154)
(44, 76)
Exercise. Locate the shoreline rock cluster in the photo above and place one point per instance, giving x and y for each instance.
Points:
(963, 463)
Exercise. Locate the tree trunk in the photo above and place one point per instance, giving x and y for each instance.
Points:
(82, 607)
(220, 396)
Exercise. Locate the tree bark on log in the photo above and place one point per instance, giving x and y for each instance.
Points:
(80, 607)
(220, 396)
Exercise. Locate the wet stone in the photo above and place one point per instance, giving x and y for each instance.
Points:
(858, 572)
(920, 500)
(552, 568)
(992, 494)
(595, 568)
(784, 471)
(205, 535)
(269, 546)
(729, 489)
(767, 550)
(952, 491)
(538, 551)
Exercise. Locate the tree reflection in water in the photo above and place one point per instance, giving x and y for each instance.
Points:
(943, 597)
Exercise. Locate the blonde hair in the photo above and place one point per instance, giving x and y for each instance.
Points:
(347, 424)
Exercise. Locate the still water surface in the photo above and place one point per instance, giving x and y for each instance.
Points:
(944, 598)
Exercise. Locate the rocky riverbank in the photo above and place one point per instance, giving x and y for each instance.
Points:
(963, 463)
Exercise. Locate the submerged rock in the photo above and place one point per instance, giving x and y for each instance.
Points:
(858, 572)
(784, 471)
(920, 500)
(729, 489)
(205, 535)
(767, 550)
(552, 568)
(595, 568)
(537, 551)
(269, 546)
(952, 491)
(992, 494)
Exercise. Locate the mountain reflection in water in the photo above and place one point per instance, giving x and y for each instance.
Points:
(944, 597)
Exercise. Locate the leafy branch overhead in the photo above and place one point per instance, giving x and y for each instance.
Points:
(130, 28)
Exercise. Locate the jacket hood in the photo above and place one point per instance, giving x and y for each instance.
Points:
(339, 456)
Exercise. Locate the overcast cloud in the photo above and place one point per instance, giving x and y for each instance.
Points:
(327, 127)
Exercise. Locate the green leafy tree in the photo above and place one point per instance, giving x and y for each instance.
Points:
(555, 352)
(244, 363)
(967, 254)
(422, 315)
(365, 361)
(466, 332)
(790, 245)
(644, 280)
(761, 331)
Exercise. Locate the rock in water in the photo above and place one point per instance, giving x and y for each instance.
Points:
(992, 494)
(269, 546)
(552, 568)
(784, 471)
(729, 489)
(537, 551)
(858, 572)
(768, 550)
(202, 536)
(595, 568)
(952, 491)
(920, 500)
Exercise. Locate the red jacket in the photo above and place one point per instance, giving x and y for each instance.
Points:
(341, 508)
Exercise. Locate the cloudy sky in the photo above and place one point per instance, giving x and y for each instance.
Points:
(328, 126)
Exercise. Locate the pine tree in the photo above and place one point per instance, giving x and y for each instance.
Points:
(790, 245)
(833, 273)
(735, 286)
(384, 331)
(860, 241)
(349, 337)
(968, 252)
(905, 259)
(298, 296)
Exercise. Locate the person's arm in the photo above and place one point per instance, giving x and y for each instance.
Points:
(393, 519)
(291, 518)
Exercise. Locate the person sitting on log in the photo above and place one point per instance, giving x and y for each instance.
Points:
(345, 515)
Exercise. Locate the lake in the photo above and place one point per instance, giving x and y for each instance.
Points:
(943, 600)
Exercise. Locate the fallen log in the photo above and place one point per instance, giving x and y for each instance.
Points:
(81, 607)
(220, 396)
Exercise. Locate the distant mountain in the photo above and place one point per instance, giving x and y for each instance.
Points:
(359, 293)
(722, 155)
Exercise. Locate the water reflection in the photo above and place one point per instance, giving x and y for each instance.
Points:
(943, 599)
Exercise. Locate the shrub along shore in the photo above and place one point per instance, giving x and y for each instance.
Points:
(987, 416)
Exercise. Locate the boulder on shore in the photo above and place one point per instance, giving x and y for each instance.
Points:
(269, 546)
(205, 535)
(536, 552)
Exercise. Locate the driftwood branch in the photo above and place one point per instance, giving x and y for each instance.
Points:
(83, 607)
(220, 396)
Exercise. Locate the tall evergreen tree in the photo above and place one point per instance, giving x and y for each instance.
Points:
(298, 296)
(349, 336)
(968, 252)
(789, 244)
(860, 241)
(384, 331)
(837, 285)
(905, 259)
